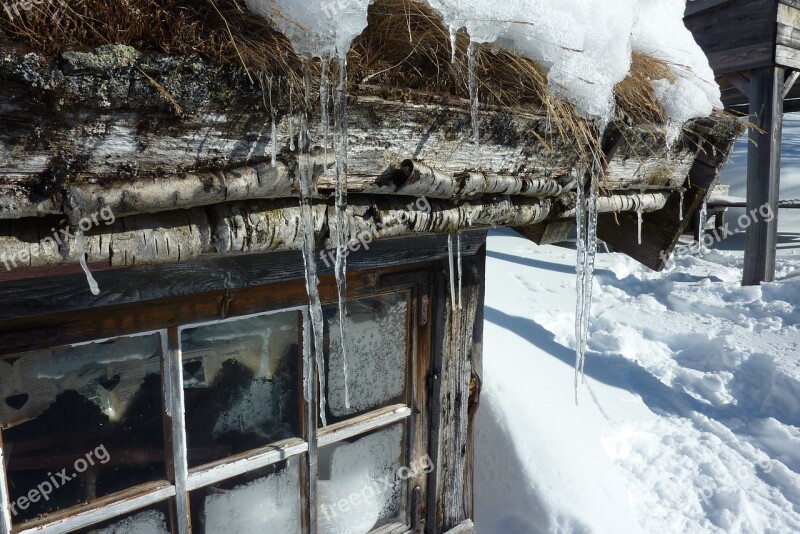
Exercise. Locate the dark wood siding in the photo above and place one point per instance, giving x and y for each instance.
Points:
(735, 34)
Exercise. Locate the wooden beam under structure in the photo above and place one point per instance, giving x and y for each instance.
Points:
(763, 173)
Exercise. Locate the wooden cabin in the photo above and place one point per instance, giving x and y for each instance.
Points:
(182, 396)
(753, 46)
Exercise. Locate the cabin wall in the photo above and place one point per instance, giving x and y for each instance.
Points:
(787, 48)
(736, 35)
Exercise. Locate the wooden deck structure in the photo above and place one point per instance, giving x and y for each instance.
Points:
(753, 46)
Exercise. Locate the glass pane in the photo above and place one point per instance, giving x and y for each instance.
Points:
(377, 337)
(266, 500)
(81, 422)
(241, 384)
(150, 521)
(360, 483)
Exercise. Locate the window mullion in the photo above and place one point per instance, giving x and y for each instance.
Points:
(5, 509)
(311, 393)
(173, 399)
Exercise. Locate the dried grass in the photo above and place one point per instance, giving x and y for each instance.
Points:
(406, 45)
(635, 98)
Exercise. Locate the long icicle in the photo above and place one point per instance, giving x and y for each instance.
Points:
(701, 231)
(453, 301)
(591, 255)
(460, 268)
(473, 92)
(291, 119)
(274, 139)
(639, 221)
(341, 127)
(586, 223)
(306, 168)
(324, 97)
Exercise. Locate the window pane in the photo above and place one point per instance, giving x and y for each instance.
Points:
(267, 500)
(360, 483)
(241, 384)
(81, 422)
(150, 521)
(377, 337)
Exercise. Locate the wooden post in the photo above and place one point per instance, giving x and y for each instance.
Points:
(763, 173)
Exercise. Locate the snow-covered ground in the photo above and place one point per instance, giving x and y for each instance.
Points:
(689, 420)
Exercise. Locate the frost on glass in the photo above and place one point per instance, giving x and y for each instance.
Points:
(148, 522)
(363, 473)
(269, 503)
(376, 360)
(102, 399)
(240, 382)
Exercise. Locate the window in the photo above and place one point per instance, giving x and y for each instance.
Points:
(203, 413)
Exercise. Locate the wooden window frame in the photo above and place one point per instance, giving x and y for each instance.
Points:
(168, 317)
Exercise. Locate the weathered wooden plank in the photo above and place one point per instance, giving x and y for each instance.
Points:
(456, 350)
(394, 528)
(234, 466)
(5, 505)
(260, 226)
(99, 510)
(763, 174)
(662, 229)
(696, 7)
(787, 57)
(97, 120)
(55, 294)
(736, 35)
(96, 134)
(361, 425)
(787, 50)
(467, 527)
(175, 426)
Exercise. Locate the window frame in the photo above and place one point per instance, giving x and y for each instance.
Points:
(169, 317)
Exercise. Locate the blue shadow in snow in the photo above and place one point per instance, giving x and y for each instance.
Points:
(620, 372)
(530, 262)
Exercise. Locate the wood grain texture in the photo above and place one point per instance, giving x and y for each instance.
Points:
(736, 34)
(458, 348)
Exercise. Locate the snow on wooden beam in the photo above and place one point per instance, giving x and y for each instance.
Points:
(88, 129)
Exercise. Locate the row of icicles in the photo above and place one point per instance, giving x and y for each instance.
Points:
(307, 188)
(586, 223)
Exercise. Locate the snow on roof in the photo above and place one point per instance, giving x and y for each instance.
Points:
(585, 46)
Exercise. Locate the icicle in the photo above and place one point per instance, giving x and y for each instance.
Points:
(306, 169)
(639, 222)
(292, 146)
(460, 269)
(453, 44)
(453, 301)
(701, 233)
(586, 221)
(81, 244)
(473, 93)
(324, 96)
(680, 213)
(274, 139)
(341, 127)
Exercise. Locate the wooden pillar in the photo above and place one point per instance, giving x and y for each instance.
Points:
(763, 173)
